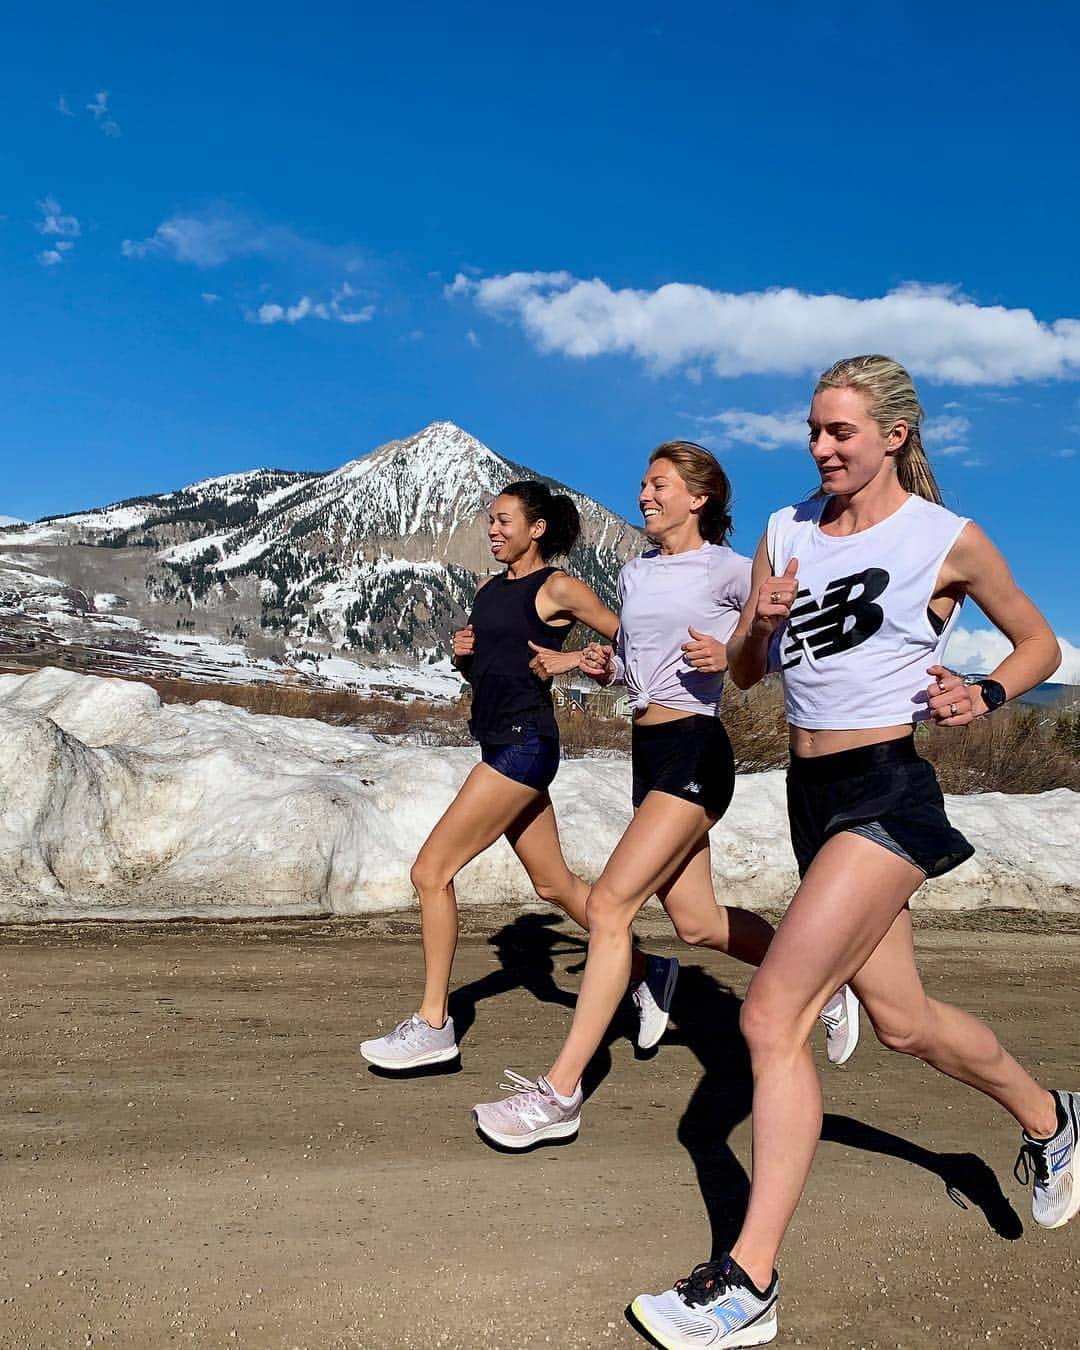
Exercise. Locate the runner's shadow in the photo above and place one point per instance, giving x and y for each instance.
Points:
(705, 1015)
(706, 1019)
(966, 1176)
(527, 950)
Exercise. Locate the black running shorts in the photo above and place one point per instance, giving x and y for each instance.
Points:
(885, 785)
(690, 758)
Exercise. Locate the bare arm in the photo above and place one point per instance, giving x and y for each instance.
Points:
(565, 597)
(975, 565)
(748, 646)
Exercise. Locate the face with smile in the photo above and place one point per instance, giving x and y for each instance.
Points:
(666, 503)
(509, 533)
(846, 443)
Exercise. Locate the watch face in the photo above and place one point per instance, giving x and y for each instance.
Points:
(993, 693)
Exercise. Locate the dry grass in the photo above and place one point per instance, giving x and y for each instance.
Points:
(1017, 750)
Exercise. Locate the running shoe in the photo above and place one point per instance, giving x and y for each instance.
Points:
(716, 1306)
(1053, 1166)
(652, 994)
(532, 1114)
(841, 1018)
(412, 1044)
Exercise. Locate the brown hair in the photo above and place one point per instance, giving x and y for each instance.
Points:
(893, 399)
(701, 472)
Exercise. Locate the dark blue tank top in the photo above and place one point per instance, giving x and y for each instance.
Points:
(506, 695)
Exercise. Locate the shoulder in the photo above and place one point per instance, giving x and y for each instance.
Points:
(729, 572)
(484, 581)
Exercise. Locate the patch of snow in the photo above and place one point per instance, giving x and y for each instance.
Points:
(117, 806)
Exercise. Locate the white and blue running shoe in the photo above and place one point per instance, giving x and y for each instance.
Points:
(716, 1306)
(1053, 1166)
(652, 996)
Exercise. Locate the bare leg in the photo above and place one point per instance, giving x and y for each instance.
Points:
(851, 899)
(534, 837)
(486, 806)
(691, 905)
(946, 1038)
(662, 835)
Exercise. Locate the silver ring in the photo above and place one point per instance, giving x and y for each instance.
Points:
(953, 710)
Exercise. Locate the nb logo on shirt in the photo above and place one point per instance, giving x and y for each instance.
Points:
(845, 617)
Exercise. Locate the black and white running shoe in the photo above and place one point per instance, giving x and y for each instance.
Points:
(1053, 1166)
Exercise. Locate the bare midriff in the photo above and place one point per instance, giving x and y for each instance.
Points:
(807, 744)
(656, 713)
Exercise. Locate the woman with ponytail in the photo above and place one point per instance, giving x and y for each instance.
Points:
(854, 594)
(679, 603)
(508, 651)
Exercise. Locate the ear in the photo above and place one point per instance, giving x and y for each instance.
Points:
(537, 528)
(897, 438)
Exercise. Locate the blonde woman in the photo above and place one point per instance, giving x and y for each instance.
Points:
(855, 592)
(679, 603)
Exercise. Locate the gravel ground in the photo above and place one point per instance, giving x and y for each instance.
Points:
(192, 1153)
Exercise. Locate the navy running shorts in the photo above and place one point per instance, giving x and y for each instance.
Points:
(884, 792)
(690, 758)
(533, 762)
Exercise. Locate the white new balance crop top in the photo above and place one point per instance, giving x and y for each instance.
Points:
(660, 596)
(856, 647)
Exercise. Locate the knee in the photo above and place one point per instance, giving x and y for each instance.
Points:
(693, 933)
(905, 1038)
(765, 1029)
(427, 877)
(606, 913)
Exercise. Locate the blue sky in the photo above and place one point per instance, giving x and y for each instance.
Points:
(243, 235)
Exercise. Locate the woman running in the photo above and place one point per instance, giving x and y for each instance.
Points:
(856, 591)
(679, 603)
(529, 606)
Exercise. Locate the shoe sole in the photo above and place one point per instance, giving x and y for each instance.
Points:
(417, 1062)
(761, 1333)
(564, 1129)
(665, 1007)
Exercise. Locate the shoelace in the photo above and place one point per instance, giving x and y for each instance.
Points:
(518, 1083)
(401, 1031)
(705, 1282)
(1032, 1160)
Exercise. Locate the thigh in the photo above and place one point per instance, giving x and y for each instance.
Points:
(534, 837)
(688, 892)
(847, 902)
(663, 835)
(485, 807)
(888, 984)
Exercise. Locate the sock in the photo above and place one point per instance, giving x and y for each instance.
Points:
(563, 1101)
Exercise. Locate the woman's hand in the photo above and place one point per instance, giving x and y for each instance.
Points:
(775, 597)
(464, 643)
(546, 664)
(704, 653)
(598, 662)
(952, 702)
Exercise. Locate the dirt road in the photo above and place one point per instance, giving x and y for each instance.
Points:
(192, 1153)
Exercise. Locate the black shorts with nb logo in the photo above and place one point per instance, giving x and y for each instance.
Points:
(690, 758)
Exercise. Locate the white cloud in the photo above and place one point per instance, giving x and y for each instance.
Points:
(99, 110)
(306, 308)
(982, 649)
(1065, 454)
(49, 257)
(768, 431)
(219, 235)
(950, 428)
(62, 106)
(54, 221)
(472, 339)
(210, 297)
(938, 332)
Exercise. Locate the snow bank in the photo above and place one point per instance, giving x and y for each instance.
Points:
(113, 805)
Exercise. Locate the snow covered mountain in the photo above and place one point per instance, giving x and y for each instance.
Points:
(378, 559)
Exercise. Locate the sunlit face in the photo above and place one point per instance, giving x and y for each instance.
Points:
(846, 443)
(509, 533)
(665, 500)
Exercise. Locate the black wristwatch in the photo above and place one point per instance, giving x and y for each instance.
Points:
(993, 694)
